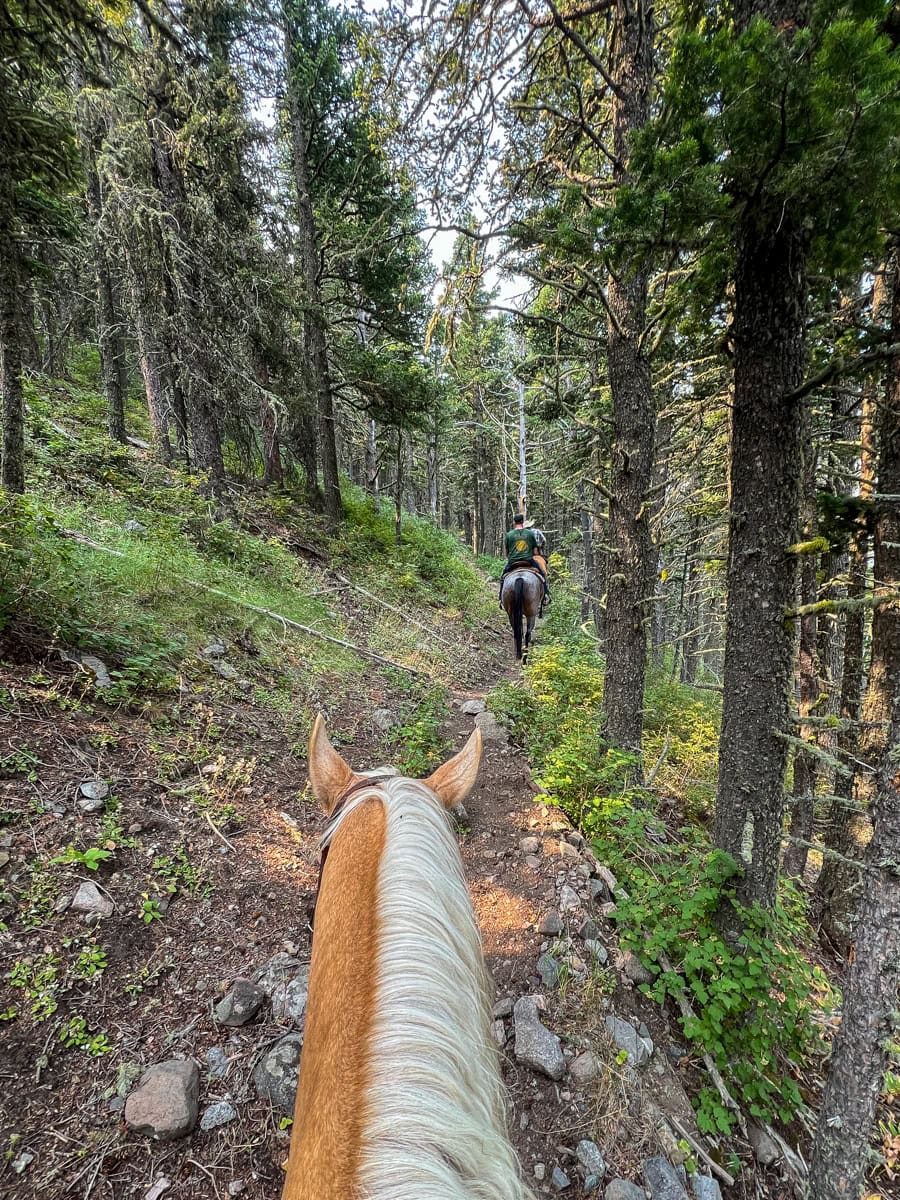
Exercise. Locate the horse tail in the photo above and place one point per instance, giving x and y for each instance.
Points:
(518, 606)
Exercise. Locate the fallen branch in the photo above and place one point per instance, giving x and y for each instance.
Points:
(384, 604)
(257, 608)
(218, 832)
(715, 1075)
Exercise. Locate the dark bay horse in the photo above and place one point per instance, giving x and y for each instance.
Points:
(523, 591)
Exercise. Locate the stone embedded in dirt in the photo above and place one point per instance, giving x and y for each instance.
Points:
(498, 1032)
(491, 729)
(21, 1161)
(584, 1069)
(383, 720)
(236, 1187)
(460, 816)
(592, 1182)
(158, 1188)
(560, 1179)
(539, 1171)
(548, 970)
(663, 1180)
(568, 898)
(551, 924)
(217, 1114)
(575, 838)
(535, 1045)
(215, 649)
(706, 1188)
(623, 1189)
(588, 931)
(88, 899)
(164, 1104)
(608, 910)
(277, 1072)
(598, 889)
(92, 793)
(597, 951)
(503, 1008)
(97, 668)
(607, 877)
(216, 1062)
(472, 708)
(765, 1148)
(567, 851)
(226, 670)
(675, 1053)
(241, 1004)
(134, 527)
(634, 969)
(627, 1038)
(588, 1154)
(532, 860)
(285, 980)
(530, 845)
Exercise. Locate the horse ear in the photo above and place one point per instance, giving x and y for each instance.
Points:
(329, 775)
(452, 782)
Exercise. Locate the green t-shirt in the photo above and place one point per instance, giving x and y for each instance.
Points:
(520, 545)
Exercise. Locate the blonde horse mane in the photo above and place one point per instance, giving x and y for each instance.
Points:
(434, 1121)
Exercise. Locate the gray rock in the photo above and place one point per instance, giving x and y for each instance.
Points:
(164, 1103)
(535, 1045)
(548, 969)
(116, 1104)
(706, 1188)
(568, 899)
(491, 729)
(560, 1179)
(217, 1114)
(598, 889)
(567, 851)
(532, 860)
(460, 816)
(635, 970)
(97, 668)
(472, 707)
(89, 899)
(606, 875)
(503, 1008)
(498, 1032)
(623, 1189)
(216, 1062)
(530, 845)
(675, 1053)
(551, 924)
(134, 527)
(91, 795)
(575, 838)
(588, 930)
(584, 1069)
(588, 1154)
(627, 1038)
(765, 1148)
(597, 951)
(236, 1187)
(215, 649)
(226, 670)
(540, 1171)
(592, 1182)
(277, 1072)
(241, 1004)
(383, 720)
(663, 1180)
(21, 1161)
(285, 980)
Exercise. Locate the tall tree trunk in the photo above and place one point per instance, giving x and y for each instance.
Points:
(849, 825)
(860, 1052)
(12, 471)
(587, 553)
(632, 403)
(769, 311)
(432, 471)
(371, 460)
(271, 443)
(806, 764)
(314, 316)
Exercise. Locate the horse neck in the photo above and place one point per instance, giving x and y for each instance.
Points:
(407, 961)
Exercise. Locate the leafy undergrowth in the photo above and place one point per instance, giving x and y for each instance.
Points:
(194, 822)
(759, 1006)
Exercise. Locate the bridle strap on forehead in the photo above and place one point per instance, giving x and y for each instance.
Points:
(368, 782)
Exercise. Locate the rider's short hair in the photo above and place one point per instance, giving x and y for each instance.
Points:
(518, 517)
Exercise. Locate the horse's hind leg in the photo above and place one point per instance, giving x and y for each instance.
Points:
(529, 629)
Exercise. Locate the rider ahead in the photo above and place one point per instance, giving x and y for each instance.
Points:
(525, 548)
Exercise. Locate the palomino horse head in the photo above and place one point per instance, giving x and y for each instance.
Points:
(399, 1096)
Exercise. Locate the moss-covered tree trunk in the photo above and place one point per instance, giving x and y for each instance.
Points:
(629, 583)
(860, 1052)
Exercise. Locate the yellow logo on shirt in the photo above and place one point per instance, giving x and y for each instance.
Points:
(521, 545)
